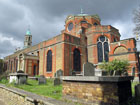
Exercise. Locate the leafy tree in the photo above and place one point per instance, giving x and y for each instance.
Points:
(119, 66)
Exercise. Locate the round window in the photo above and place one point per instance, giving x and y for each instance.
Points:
(70, 26)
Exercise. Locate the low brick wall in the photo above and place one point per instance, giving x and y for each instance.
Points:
(14, 96)
(97, 90)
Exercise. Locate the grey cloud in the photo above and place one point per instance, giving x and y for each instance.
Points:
(47, 17)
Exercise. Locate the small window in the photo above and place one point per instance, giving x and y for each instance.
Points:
(95, 24)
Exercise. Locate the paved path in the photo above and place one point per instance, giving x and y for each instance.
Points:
(1, 102)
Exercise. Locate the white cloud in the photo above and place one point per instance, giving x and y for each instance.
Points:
(13, 42)
(125, 28)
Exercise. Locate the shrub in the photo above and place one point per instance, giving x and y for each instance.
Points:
(115, 66)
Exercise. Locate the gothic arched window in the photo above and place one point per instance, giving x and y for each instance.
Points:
(77, 60)
(103, 49)
(49, 61)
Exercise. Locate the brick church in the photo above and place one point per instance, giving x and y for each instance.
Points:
(84, 39)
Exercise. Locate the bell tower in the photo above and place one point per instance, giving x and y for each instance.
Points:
(28, 39)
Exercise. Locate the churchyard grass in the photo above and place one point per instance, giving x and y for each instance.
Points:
(48, 90)
(133, 87)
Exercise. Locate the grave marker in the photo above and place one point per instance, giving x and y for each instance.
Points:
(42, 80)
(88, 69)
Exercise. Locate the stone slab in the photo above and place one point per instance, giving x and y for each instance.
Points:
(88, 69)
(97, 78)
(18, 78)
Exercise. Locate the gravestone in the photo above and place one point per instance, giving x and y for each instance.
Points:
(133, 71)
(57, 81)
(137, 91)
(88, 69)
(42, 80)
(58, 73)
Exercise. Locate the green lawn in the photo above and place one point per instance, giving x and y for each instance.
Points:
(133, 87)
(48, 90)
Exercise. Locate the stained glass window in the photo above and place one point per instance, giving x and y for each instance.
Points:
(49, 61)
(103, 49)
(102, 38)
(77, 60)
(106, 50)
(100, 52)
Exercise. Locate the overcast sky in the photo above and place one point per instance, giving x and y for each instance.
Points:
(47, 18)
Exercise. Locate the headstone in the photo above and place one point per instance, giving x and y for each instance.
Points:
(137, 91)
(57, 81)
(133, 71)
(42, 80)
(89, 69)
(58, 73)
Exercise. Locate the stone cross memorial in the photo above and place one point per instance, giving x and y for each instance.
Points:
(41, 80)
(88, 69)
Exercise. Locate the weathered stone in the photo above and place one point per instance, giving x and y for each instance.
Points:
(137, 91)
(88, 69)
(58, 73)
(18, 78)
(41, 80)
(57, 81)
(90, 89)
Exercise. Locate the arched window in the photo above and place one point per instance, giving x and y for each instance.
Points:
(49, 61)
(95, 24)
(103, 49)
(77, 60)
